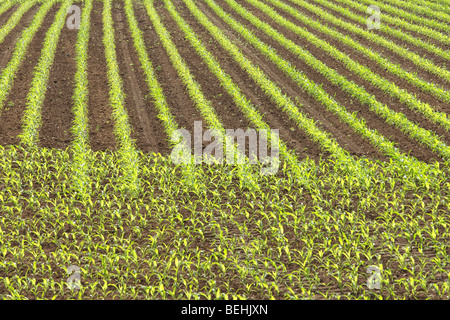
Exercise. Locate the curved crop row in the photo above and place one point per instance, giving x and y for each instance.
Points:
(394, 68)
(32, 116)
(343, 159)
(314, 90)
(239, 98)
(80, 147)
(425, 136)
(419, 61)
(8, 74)
(129, 158)
(195, 92)
(398, 21)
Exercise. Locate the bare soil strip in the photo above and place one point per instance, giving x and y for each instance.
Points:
(403, 141)
(57, 115)
(11, 117)
(148, 131)
(326, 120)
(101, 123)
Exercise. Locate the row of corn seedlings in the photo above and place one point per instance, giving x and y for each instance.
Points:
(35, 98)
(399, 119)
(398, 21)
(129, 157)
(5, 6)
(8, 73)
(80, 129)
(203, 105)
(392, 67)
(179, 246)
(385, 28)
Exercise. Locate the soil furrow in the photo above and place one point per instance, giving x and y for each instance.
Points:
(7, 14)
(57, 115)
(101, 123)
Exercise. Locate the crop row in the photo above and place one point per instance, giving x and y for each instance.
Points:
(5, 7)
(203, 105)
(189, 171)
(435, 13)
(312, 88)
(343, 160)
(8, 73)
(437, 6)
(15, 18)
(399, 119)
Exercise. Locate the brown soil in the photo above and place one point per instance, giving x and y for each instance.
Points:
(148, 130)
(101, 123)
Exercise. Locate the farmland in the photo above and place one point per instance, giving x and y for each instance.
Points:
(93, 95)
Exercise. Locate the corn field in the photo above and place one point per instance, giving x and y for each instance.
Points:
(94, 95)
